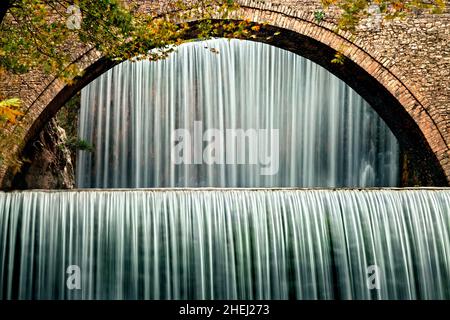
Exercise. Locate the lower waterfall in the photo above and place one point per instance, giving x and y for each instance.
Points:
(226, 244)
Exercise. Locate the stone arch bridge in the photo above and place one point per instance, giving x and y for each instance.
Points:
(401, 68)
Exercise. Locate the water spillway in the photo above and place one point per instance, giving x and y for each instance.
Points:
(226, 244)
(227, 114)
(311, 129)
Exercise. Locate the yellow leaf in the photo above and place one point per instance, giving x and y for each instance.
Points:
(9, 109)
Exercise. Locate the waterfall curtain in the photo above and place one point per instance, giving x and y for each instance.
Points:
(326, 134)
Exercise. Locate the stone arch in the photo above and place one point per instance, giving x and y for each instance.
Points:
(396, 99)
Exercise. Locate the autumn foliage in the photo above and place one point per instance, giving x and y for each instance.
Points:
(352, 11)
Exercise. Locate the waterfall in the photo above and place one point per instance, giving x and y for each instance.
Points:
(227, 114)
(327, 135)
(226, 244)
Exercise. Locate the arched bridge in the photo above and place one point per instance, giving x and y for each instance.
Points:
(402, 68)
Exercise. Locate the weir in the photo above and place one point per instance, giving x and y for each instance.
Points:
(226, 244)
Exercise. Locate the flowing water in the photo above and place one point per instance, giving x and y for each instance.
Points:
(328, 136)
(226, 244)
(302, 127)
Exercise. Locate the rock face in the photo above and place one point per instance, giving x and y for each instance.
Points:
(48, 163)
(402, 65)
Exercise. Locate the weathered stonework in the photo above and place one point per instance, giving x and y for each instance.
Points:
(401, 68)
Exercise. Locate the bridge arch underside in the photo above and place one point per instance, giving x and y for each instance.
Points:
(401, 119)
